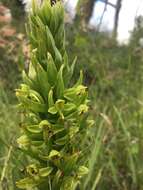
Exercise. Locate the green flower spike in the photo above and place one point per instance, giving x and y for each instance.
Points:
(54, 112)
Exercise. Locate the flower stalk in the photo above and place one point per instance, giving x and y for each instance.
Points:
(55, 120)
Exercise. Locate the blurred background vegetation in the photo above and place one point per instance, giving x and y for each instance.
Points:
(114, 75)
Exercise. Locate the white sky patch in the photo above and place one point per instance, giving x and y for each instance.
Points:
(72, 3)
(107, 22)
(71, 6)
(113, 1)
(130, 9)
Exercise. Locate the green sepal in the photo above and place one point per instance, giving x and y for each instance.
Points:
(54, 153)
(34, 129)
(44, 172)
(82, 170)
(26, 183)
(23, 141)
(53, 110)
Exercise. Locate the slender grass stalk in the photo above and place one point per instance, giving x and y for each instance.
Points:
(94, 156)
(128, 138)
(5, 166)
(97, 179)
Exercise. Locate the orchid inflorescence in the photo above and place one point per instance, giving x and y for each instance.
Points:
(55, 113)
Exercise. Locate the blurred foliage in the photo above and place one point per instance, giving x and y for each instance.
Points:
(10, 156)
(112, 71)
(16, 7)
(12, 43)
(114, 76)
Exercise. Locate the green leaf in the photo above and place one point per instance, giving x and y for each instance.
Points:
(66, 65)
(58, 57)
(45, 12)
(54, 19)
(57, 128)
(72, 67)
(34, 7)
(37, 143)
(58, 16)
(80, 80)
(51, 70)
(60, 83)
(50, 98)
(70, 162)
(61, 141)
(50, 42)
(26, 79)
(34, 136)
(56, 179)
(43, 80)
(34, 106)
(68, 71)
(59, 37)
